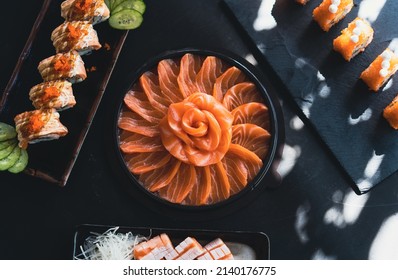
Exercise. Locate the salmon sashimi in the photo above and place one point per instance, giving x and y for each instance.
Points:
(216, 250)
(221, 186)
(240, 94)
(229, 78)
(189, 68)
(254, 113)
(150, 84)
(131, 121)
(137, 143)
(154, 249)
(138, 103)
(251, 161)
(251, 137)
(181, 185)
(200, 192)
(211, 69)
(161, 177)
(145, 162)
(236, 171)
(189, 249)
(168, 72)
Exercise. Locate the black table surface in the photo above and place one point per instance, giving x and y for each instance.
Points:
(312, 214)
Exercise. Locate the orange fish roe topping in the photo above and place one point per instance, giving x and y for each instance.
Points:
(83, 5)
(62, 64)
(75, 32)
(50, 93)
(35, 124)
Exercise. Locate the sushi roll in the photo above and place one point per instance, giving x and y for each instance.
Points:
(68, 66)
(77, 35)
(380, 70)
(302, 2)
(38, 125)
(54, 94)
(353, 39)
(390, 113)
(330, 12)
(93, 11)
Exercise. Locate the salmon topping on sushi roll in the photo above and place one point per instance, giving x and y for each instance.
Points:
(330, 12)
(302, 2)
(390, 113)
(380, 70)
(354, 39)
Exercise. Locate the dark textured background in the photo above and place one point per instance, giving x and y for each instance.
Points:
(305, 217)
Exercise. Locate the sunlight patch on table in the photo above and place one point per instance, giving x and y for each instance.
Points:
(385, 244)
(265, 19)
(296, 123)
(301, 222)
(370, 9)
(289, 159)
(366, 115)
(250, 58)
(320, 255)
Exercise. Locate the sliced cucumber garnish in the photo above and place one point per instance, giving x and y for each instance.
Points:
(7, 151)
(6, 143)
(21, 163)
(11, 159)
(137, 5)
(126, 19)
(7, 131)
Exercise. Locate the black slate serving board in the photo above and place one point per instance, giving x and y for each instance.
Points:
(326, 88)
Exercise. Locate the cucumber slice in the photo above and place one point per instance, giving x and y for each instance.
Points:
(108, 3)
(6, 143)
(7, 151)
(126, 19)
(7, 131)
(137, 5)
(11, 159)
(21, 163)
(115, 3)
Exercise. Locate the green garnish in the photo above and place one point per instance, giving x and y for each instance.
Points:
(126, 14)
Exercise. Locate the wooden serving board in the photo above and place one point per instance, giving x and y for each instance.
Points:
(326, 88)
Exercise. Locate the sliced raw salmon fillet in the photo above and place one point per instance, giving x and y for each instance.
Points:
(154, 249)
(145, 162)
(131, 121)
(236, 171)
(168, 72)
(189, 249)
(252, 137)
(240, 94)
(181, 185)
(138, 103)
(216, 250)
(229, 78)
(137, 143)
(254, 113)
(220, 183)
(150, 84)
(208, 73)
(200, 192)
(161, 177)
(251, 161)
(189, 68)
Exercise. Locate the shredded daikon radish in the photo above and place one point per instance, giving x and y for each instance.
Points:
(110, 245)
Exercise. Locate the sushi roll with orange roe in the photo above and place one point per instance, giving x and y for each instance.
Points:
(380, 70)
(302, 2)
(390, 113)
(354, 39)
(330, 12)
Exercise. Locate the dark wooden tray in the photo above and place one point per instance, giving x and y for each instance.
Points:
(243, 244)
(53, 161)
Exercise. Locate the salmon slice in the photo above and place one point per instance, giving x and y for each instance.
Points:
(220, 183)
(154, 249)
(145, 162)
(189, 67)
(150, 84)
(132, 122)
(181, 185)
(240, 94)
(161, 177)
(252, 137)
(168, 72)
(208, 73)
(230, 77)
(236, 171)
(200, 192)
(138, 103)
(137, 143)
(216, 250)
(254, 113)
(251, 161)
(189, 249)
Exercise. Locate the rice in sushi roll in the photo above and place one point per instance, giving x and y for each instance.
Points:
(380, 70)
(354, 39)
(330, 12)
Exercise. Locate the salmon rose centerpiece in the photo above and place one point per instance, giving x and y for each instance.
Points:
(195, 130)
